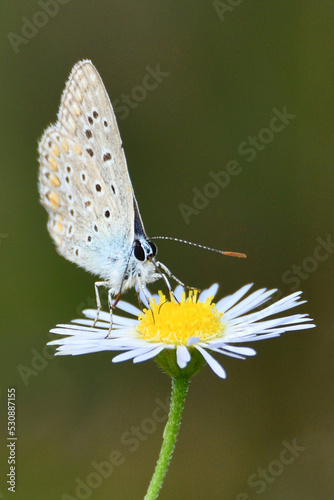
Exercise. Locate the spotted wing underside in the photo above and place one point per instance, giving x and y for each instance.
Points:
(84, 182)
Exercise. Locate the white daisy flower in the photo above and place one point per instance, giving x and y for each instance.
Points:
(187, 329)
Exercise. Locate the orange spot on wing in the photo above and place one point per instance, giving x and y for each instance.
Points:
(53, 163)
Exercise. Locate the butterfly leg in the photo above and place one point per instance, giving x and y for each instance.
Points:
(97, 284)
(140, 302)
(171, 275)
(147, 298)
(112, 305)
(164, 277)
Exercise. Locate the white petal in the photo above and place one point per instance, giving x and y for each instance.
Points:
(129, 308)
(260, 327)
(268, 311)
(104, 317)
(62, 351)
(296, 327)
(65, 329)
(251, 302)
(214, 365)
(90, 322)
(78, 330)
(125, 356)
(220, 350)
(253, 338)
(149, 354)
(208, 292)
(182, 356)
(178, 292)
(117, 321)
(224, 304)
(243, 351)
(91, 313)
(193, 340)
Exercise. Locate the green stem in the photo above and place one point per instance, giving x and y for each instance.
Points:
(180, 386)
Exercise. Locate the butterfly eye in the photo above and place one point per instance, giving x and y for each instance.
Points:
(139, 251)
(153, 252)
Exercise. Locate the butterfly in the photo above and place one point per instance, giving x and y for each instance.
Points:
(85, 187)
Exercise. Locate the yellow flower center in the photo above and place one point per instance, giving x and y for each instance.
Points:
(175, 322)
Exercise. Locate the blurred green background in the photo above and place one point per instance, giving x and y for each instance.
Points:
(229, 65)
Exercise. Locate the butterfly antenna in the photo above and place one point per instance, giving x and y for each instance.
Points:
(222, 252)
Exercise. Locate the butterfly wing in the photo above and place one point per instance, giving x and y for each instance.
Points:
(84, 182)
